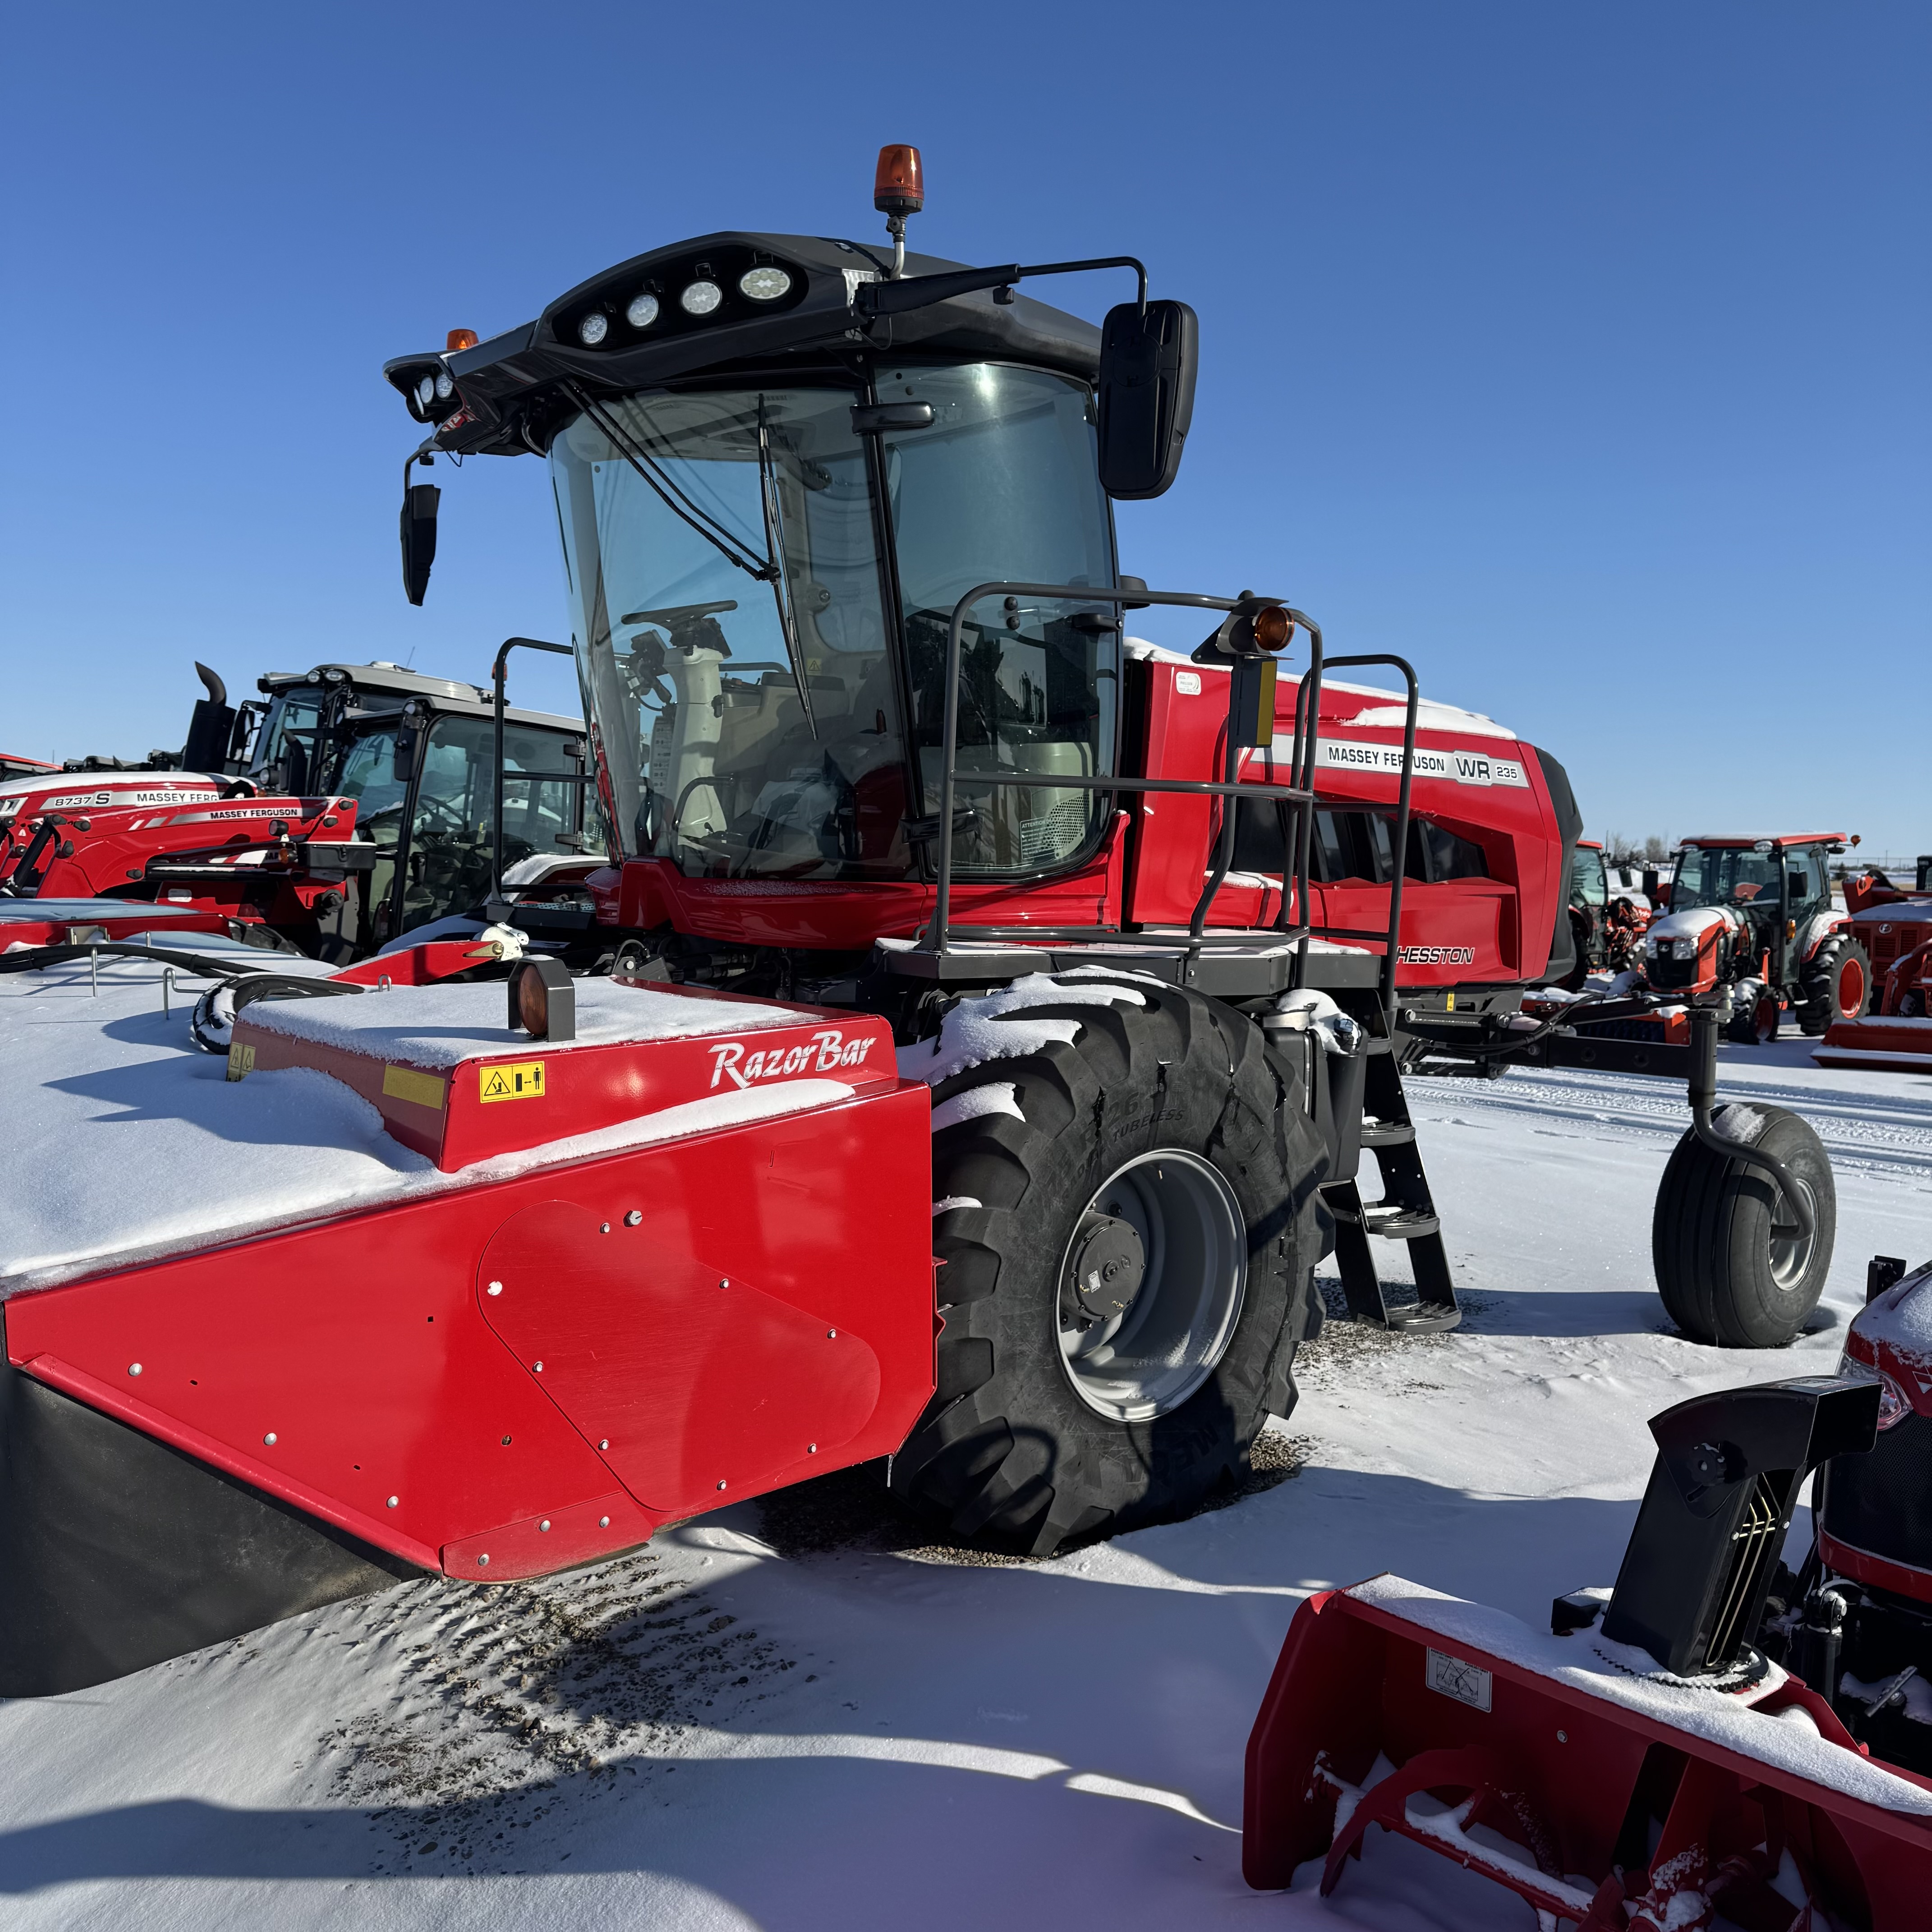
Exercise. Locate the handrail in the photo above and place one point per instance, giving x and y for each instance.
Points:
(1401, 854)
(496, 673)
(937, 939)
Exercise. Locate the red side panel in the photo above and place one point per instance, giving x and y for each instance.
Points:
(1487, 790)
(701, 1381)
(350, 1368)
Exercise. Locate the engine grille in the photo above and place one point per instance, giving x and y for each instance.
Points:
(1882, 1502)
(1666, 973)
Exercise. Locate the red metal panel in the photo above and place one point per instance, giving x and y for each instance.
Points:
(347, 1363)
(701, 1383)
(1352, 1684)
(582, 1088)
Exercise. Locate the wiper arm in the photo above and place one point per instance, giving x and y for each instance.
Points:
(781, 584)
(765, 569)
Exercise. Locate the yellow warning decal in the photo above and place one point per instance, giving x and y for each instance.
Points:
(405, 1083)
(241, 1060)
(515, 1080)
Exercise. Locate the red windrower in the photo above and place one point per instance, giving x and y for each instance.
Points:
(898, 188)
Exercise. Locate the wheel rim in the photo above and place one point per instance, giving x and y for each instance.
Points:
(1791, 1254)
(1147, 1359)
(1851, 988)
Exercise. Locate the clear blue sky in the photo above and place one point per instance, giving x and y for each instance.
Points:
(1576, 351)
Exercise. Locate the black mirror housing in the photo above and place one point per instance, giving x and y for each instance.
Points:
(1148, 362)
(419, 506)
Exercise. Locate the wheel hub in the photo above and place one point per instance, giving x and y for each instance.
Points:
(1109, 1265)
(1152, 1282)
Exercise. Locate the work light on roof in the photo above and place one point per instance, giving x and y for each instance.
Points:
(764, 284)
(643, 311)
(426, 391)
(700, 298)
(445, 387)
(593, 329)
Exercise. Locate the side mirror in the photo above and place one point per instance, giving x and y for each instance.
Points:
(1147, 367)
(419, 502)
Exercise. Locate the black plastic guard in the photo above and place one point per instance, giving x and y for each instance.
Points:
(117, 1552)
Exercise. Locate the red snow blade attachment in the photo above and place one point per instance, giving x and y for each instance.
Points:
(1571, 1770)
(1896, 1043)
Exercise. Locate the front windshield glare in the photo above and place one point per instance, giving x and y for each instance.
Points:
(1725, 876)
(747, 727)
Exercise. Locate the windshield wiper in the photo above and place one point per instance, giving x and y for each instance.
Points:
(765, 569)
(781, 583)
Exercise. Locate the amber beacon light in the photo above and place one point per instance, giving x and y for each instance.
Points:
(898, 188)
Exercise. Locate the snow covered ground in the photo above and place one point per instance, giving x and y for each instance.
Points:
(795, 1714)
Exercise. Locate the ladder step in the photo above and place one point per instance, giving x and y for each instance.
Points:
(1386, 1133)
(1400, 1224)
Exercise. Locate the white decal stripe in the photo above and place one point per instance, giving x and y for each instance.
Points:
(1458, 766)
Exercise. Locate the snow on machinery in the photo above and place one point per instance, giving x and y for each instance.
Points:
(1894, 926)
(878, 770)
(1714, 1737)
(352, 804)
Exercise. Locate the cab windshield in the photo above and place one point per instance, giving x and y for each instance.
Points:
(742, 734)
(1728, 875)
(751, 727)
(1586, 876)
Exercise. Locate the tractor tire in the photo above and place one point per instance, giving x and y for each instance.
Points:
(1166, 1148)
(1725, 1282)
(1754, 1021)
(1836, 984)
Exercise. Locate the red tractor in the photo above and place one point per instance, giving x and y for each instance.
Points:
(351, 804)
(967, 1061)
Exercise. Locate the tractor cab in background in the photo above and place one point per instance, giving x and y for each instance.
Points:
(417, 755)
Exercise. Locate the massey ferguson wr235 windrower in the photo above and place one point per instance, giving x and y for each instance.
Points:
(950, 942)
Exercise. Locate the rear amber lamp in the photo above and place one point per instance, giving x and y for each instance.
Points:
(1273, 627)
(460, 338)
(899, 186)
(543, 1002)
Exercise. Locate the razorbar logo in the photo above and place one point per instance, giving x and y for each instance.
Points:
(1436, 956)
(819, 1055)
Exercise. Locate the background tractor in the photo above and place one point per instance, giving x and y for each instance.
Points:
(1752, 928)
(352, 804)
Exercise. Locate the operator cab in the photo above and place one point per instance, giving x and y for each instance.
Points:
(777, 462)
(417, 754)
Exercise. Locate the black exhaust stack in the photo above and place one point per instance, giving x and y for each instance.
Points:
(210, 729)
(1729, 1469)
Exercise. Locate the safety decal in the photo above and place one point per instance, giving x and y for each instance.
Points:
(241, 1060)
(405, 1083)
(1466, 1683)
(514, 1080)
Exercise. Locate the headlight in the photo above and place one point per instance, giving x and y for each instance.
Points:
(445, 387)
(593, 329)
(643, 311)
(763, 284)
(700, 298)
(1651, 948)
(1893, 1407)
(426, 391)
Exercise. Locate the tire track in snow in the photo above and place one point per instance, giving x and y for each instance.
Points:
(1887, 1133)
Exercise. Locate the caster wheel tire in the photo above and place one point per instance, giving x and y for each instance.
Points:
(1727, 1276)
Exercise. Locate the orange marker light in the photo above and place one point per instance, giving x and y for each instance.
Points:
(899, 186)
(460, 338)
(1273, 627)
